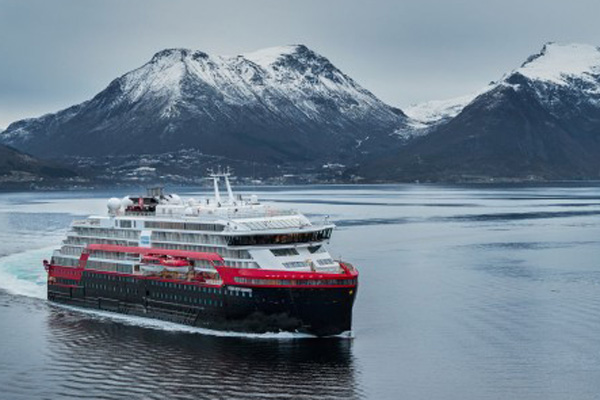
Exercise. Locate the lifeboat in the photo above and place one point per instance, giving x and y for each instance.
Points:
(151, 264)
(156, 264)
(176, 265)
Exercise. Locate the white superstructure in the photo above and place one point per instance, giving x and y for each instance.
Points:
(245, 232)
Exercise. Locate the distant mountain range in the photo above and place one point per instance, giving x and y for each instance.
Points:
(279, 105)
(291, 107)
(18, 169)
(541, 121)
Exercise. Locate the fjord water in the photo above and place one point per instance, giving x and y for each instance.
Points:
(465, 293)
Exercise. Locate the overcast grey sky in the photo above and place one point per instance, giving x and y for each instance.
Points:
(55, 53)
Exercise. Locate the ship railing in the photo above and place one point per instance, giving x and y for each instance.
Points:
(269, 212)
(92, 222)
(346, 266)
(217, 214)
(232, 214)
(139, 213)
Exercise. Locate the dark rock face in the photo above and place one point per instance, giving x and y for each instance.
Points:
(17, 167)
(283, 105)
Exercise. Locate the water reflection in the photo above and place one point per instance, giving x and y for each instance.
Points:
(104, 359)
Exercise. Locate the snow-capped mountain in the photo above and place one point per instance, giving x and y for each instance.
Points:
(541, 121)
(283, 104)
(434, 112)
(554, 65)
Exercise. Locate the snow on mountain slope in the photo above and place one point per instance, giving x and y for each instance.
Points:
(540, 121)
(266, 57)
(557, 63)
(435, 111)
(282, 103)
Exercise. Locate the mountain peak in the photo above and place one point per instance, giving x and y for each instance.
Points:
(269, 56)
(556, 62)
(170, 53)
(178, 54)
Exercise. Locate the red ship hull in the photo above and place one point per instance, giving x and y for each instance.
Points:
(243, 300)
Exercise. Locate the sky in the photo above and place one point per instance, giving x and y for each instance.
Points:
(56, 53)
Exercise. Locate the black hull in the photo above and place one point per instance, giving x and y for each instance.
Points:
(317, 311)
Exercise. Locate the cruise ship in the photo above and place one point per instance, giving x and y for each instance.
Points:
(226, 263)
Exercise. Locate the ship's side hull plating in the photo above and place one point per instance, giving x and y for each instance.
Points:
(319, 311)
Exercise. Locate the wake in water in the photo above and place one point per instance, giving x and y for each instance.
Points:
(174, 327)
(23, 274)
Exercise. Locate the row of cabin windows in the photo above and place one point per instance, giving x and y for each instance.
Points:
(72, 250)
(114, 255)
(68, 249)
(107, 232)
(106, 277)
(65, 281)
(83, 241)
(241, 264)
(65, 261)
(180, 298)
(112, 288)
(69, 272)
(125, 268)
(187, 237)
(179, 286)
(225, 253)
(126, 223)
(108, 266)
(303, 282)
(185, 226)
(171, 285)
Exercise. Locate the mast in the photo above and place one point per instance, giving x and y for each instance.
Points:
(216, 177)
(217, 193)
(229, 191)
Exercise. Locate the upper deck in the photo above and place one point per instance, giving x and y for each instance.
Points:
(218, 215)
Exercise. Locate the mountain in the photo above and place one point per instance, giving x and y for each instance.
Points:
(17, 168)
(279, 105)
(541, 121)
(434, 112)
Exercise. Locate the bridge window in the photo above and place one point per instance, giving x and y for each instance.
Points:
(289, 238)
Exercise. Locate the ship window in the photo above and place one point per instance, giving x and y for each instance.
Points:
(284, 252)
(296, 264)
(288, 238)
(316, 249)
(325, 261)
(125, 223)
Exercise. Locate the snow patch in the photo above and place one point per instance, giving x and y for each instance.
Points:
(434, 111)
(558, 62)
(268, 56)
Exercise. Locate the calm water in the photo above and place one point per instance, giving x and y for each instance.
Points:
(465, 293)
